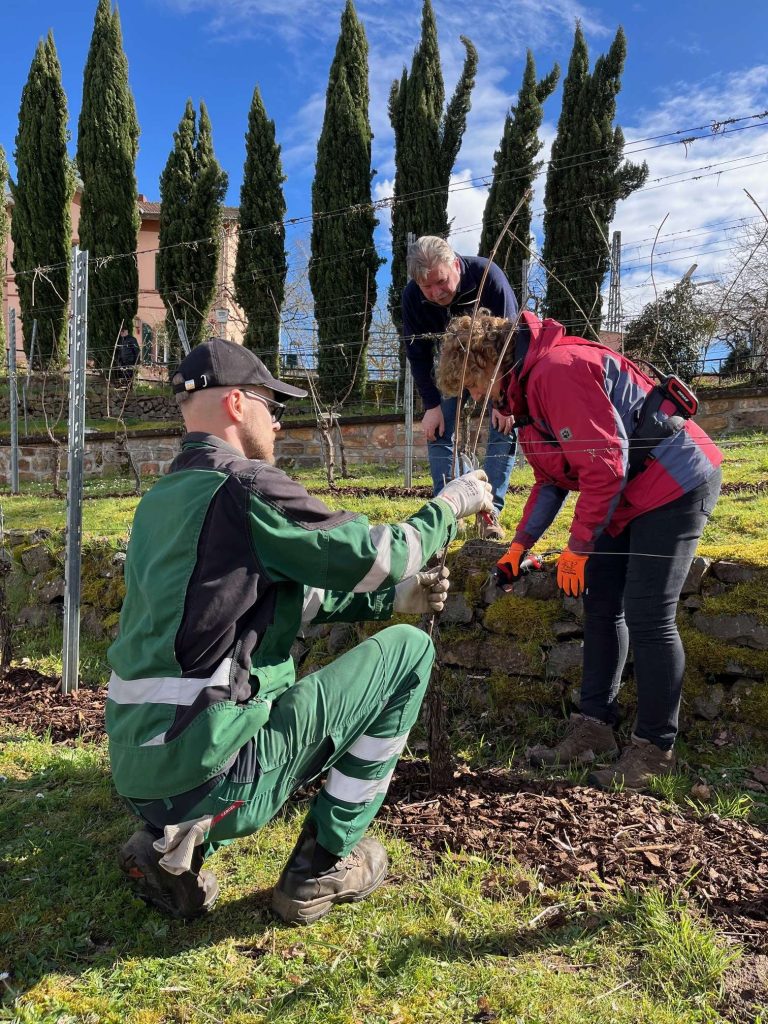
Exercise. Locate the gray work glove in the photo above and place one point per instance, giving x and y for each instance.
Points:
(468, 494)
(425, 592)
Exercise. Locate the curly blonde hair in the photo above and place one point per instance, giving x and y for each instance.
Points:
(485, 340)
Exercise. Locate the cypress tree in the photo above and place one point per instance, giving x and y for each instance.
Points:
(427, 140)
(586, 172)
(343, 265)
(514, 172)
(175, 195)
(40, 222)
(192, 189)
(260, 265)
(203, 223)
(107, 144)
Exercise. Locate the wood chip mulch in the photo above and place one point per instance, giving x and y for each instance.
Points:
(564, 832)
(30, 700)
(350, 490)
(735, 487)
(603, 840)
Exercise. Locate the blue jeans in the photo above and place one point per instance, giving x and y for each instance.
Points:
(632, 598)
(499, 455)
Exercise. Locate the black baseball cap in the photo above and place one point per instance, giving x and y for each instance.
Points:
(218, 363)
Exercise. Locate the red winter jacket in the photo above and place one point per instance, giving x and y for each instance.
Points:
(584, 400)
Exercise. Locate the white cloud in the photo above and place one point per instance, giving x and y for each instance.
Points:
(396, 22)
(238, 19)
(699, 187)
(299, 142)
(465, 212)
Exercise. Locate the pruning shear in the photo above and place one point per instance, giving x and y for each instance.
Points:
(531, 563)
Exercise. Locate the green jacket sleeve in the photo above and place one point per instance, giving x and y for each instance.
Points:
(297, 537)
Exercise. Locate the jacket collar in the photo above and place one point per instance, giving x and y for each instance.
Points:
(196, 438)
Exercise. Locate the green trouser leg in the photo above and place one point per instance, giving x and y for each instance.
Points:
(350, 719)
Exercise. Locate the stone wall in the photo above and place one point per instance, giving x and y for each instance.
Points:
(722, 410)
(501, 655)
(373, 439)
(380, 441)
(150, 453)
(725, 411)
(48, 393)
(506, 657)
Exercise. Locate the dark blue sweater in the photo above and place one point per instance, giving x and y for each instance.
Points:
(424, 322)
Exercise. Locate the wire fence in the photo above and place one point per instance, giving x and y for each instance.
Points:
(147, 401)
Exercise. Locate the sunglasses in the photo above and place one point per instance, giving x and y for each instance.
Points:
(276, 409)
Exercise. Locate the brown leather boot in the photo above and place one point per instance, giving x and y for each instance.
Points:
(638, 764)
(585, 740)
(185, 896)
(489, 528)
(310, 886)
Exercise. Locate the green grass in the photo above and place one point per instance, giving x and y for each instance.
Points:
(736, 530)
(449, 944)
(446, 944)
(102, 517)
(41, 648)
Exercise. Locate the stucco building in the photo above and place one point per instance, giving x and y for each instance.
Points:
(151, 311)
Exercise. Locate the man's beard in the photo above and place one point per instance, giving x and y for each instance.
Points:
(256, 448)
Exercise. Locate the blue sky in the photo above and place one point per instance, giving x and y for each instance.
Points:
(689, 63)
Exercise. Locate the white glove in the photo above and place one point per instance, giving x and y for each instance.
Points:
(424, 592)
(468, 494)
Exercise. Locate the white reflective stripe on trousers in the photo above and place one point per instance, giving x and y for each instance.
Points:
(354, 791)
(377, 748)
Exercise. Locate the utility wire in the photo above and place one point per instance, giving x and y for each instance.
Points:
(715, 128)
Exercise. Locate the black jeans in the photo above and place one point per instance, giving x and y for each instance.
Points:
(633, 585)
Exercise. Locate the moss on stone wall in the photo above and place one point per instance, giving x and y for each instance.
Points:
(105, 595)
(526, 620)
(709, 657)
(493, 668)
(748, 598)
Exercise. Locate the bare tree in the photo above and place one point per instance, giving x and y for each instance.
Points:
(741, 299)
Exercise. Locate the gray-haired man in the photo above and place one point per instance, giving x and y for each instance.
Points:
(443, 285)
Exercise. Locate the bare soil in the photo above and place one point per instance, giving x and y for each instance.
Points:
(423, 491)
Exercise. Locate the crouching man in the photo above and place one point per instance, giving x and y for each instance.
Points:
(209, 730)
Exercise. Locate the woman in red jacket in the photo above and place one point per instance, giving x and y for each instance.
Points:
(592, 421)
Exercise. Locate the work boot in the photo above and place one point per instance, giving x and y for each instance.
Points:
(314, 880)
(184, 896)
(488, 526)
(585, 740)
(638, 764)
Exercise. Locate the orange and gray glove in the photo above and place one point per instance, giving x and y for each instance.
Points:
(507, 569)
(570, 572)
